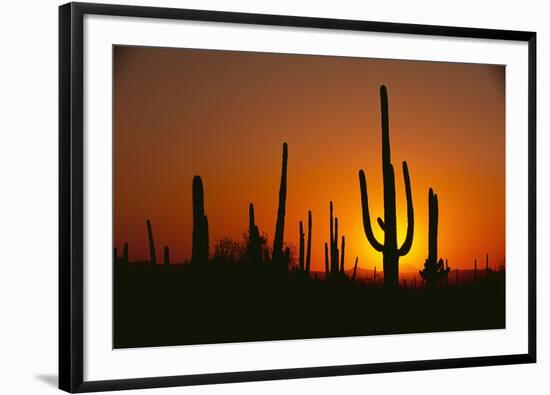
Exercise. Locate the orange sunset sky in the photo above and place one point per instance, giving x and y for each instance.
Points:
(224, 115)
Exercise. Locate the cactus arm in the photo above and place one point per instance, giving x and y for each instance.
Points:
(407, 244)
(381, 223)
(366, 215)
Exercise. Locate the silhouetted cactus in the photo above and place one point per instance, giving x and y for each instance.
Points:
(308, 251)
(327, 270)
(280, 225)
(355, 268)
(255, 242)
(434, 270)
(302, 249)
(335, 266)
(200, 246)
(125, 253)
(166, 255)
(389, 249)
(152, 253)
(342, 255)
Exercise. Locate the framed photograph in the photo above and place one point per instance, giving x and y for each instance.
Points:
(257, 197)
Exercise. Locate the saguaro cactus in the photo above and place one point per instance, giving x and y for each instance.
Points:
(342, 255)
(255, 241)
(308, 251)
(199, 251)
(302, 248)
(434, 270)
(335, 258)
(389, 249)
(166, 255)
(280, 225)
(152, 253)
(355, 268)
(327, 270)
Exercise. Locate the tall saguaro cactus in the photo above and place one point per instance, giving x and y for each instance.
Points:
(280, 225)
(301, 262)
(389, 249)
(308, 250)
(152, 253)
(199, 251)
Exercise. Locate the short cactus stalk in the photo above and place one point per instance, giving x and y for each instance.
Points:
(152, 253)
(200, 247)
(301, 257)
(308, 250)
(434, 271)
(277, 256)
(255, 242)
(374, 278)
(166, 255)
(487, 266)
(389, 248)
(355, 268)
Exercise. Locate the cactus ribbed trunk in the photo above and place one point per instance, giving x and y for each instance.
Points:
(280, 225)
(199, 252)
(389, 248)
(301, 257)
(152, 253)
(308, 251)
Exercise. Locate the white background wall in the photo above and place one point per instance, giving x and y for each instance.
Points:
(28, 194)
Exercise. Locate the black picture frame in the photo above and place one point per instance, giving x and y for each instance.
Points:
(71, 224)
